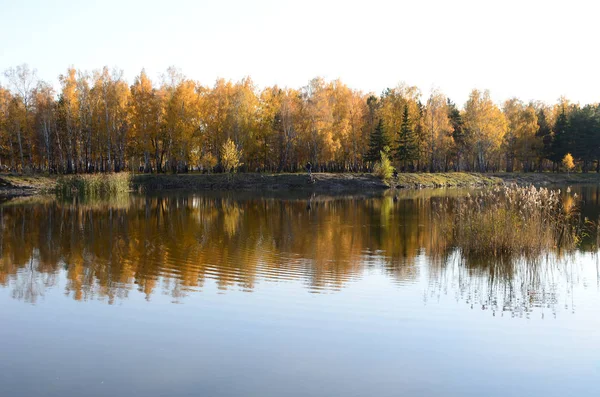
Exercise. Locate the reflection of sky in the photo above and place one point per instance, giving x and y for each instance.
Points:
(376, 336)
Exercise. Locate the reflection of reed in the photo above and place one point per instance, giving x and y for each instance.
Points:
(174, 244)
(515, 285)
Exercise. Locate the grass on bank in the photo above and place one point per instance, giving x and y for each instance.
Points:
(39, 182)
(93, 185)
(548, 178)
(512, 220)
(444, 179)
(384, 170)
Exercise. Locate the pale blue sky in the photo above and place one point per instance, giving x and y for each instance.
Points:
(528, 48)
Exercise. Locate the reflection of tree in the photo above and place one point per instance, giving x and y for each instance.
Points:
(30, 283)
(231, 218)
(173, 244)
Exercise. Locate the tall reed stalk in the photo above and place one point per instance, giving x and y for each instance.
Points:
(93, 185)
(512, 220)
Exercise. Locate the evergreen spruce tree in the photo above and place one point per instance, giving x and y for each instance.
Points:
(378, 142)
(560, 141)
(596, 139)
(545, 133)
(458, 132)
(406, 148)
(421, 136)
(584, 135)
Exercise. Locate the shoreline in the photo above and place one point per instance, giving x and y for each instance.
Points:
(13, 185)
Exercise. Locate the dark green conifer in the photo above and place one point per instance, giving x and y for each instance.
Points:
(406, 145)
(378, 142)
(561, 140)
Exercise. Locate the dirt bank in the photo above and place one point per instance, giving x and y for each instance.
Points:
(282, 182)
(12, 185)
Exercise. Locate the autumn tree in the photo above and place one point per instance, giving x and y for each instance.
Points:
(286, 127)
(439, 131)
(181, 122)
(146, 114)
(216, 116)
(111, 96)
(69, 113)
(6, 147)
(568, 162)
(521, 141)
(45, 123)
(383, 168)
(266, 127)
(230, 156)
(242, 120)
(23, 81)
(358, 138)
(529, 144)
(341, 99)
(317, 123)
(485, 126)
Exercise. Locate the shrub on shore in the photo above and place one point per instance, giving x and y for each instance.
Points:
(91, 185)
(383, 168)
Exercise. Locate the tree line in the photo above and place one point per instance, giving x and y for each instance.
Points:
(97, 122)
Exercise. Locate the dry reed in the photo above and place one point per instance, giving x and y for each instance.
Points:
(93, 185)
(512, 220)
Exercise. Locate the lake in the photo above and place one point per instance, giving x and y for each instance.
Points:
(238, 294)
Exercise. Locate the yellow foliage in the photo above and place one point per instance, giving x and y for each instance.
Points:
(568, 162)
(437, 125)
(207, 161)
(383, 168)
(486, 125)
(230, 156)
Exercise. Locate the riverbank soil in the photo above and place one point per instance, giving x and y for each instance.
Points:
(15, 185)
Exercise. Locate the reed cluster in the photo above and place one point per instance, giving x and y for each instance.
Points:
(93, 185)
(512, 220)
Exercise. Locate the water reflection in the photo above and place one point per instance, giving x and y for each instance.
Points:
(519, 287)
(175, 244)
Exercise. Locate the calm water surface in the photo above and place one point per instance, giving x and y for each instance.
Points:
(239, 295)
